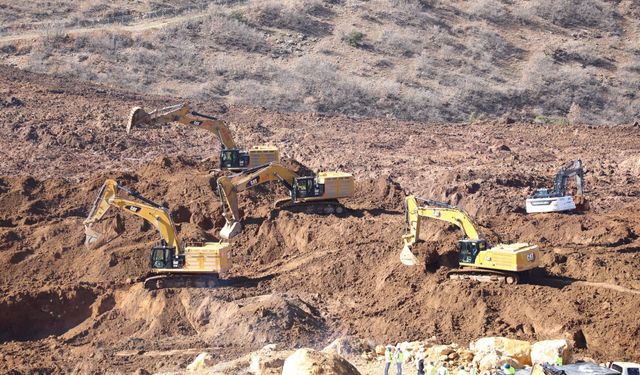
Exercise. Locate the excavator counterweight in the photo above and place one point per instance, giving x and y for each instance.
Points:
(172, 265)
(477, 259)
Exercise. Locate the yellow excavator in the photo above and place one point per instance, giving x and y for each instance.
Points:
(478, 260)
(231, 157)
(318, 193)
(172, 265)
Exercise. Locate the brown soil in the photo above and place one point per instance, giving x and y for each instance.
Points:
(298, 279)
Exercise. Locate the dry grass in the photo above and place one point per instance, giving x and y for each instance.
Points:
(409, 59)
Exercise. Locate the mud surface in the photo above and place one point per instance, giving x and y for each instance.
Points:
(298, 279)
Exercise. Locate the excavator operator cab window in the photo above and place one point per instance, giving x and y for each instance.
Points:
(469, 250)
(306, 187)
(228, 158)
(163, 257)
(302, 187)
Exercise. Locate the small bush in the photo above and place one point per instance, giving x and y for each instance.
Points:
(577, 13)
(237, 15)
(395, 44)
(275, 14)
(354, 38)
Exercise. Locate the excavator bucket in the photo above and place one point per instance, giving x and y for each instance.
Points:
(230, 230)
(137, 117)
(407, 257)
(91, 236)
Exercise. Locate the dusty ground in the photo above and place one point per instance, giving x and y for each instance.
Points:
(298, 279)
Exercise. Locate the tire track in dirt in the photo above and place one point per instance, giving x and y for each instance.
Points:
(133, 28)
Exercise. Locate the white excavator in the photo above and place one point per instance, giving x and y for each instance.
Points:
(172, 264)
(231, 157)
(557, 199)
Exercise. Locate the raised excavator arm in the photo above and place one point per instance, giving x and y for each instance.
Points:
(231, 157)
(325, 187)
(435, 210)
(560, 183)
(477, 258)
(230, 186)
(151, 212)
(172, 264)
(183, 114)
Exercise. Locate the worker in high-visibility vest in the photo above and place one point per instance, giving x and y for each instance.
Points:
(558, 360)
(508, 369)
(388, 358)
(399, 357)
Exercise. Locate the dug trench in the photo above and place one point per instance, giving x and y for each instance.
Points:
(297, 279)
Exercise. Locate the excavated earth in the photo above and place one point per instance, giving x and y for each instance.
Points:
(298, 279)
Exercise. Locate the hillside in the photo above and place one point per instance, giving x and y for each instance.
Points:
(568, 62)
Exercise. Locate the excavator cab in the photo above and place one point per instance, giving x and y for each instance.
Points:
(164, 257)
(468, 250)
(233, 159)
(306, 187)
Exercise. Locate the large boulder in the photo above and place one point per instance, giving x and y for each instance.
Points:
(518, 350)
(312, 362)
(202, 361)
(548, 350)
(267, 361)
(490, 360)
(348, 345)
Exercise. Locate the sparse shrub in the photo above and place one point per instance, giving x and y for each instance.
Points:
(475, 117)
(237, 15)
(277, 15)
(577, 13)
(491, 10)
(8, 49)
(395, 44)
(235, 34)
(354, 38)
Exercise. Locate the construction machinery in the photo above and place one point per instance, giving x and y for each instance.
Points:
(477, 258)
(556, 199)
(315, 193)
(231, 157)
(172, 265)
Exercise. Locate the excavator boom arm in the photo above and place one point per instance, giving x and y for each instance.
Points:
(435, 210)
(230, 186)
(572, 169)
(438, 211)
(153, 213)
(183, 114)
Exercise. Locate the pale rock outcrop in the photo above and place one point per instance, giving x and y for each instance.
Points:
(312, 362)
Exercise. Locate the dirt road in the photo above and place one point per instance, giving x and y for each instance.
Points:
(136, 27)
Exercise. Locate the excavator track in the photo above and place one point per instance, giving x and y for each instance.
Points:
(322, 207)
(166, 281)
(484, 275)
